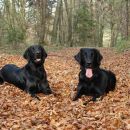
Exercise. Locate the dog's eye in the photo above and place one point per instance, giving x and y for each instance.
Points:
(92, 54)
(86, 54)
(32, 49)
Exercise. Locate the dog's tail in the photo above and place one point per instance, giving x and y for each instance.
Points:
(1, 78)
(112, 81)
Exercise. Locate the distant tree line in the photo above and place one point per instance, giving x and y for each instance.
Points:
(64, 22)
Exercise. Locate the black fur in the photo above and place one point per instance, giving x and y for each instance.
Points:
(32, 77)
(102, 80)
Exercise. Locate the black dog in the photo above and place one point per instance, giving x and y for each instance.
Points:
(32, 77)
(93, 81)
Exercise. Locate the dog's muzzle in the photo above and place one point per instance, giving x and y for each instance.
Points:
(38, 57)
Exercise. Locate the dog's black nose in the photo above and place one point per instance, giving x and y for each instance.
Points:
(38, 54)
(89, 64)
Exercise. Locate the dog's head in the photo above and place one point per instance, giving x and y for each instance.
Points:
(89, 59)
(35, 54)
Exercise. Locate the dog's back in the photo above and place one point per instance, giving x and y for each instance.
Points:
(9, 72)
(1, 78)
(111, 81)
(6, 73)
(12, 74)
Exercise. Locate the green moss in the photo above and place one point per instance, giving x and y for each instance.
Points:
(123, 45)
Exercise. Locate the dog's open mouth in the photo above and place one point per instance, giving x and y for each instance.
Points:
(89, 73)
(37, 60)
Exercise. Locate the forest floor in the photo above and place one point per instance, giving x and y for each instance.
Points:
(19, 111)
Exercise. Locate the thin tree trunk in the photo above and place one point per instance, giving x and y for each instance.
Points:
(127, 19)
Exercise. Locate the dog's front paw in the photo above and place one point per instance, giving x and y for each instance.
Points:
(48, 92)
(74, 98)
(35, 96)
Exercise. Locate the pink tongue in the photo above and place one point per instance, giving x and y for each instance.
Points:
(89, 73)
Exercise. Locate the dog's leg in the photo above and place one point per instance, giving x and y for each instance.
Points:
(78, 94)
(1, 78)
(31, 89)
(35, 96)
(98, 94)
(44, 88)
(32, 93)
(94, 98)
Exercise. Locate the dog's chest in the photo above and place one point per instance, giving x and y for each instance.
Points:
(36, 76)
(39, 74)
(89, 88)
(89, 84)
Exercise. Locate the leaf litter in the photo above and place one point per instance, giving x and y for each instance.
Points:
(59, 112)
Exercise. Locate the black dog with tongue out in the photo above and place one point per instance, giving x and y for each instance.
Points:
(93, 81)
(32, 77)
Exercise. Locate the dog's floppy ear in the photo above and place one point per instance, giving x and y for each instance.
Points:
(44, 53)
(99, 56)
(78, 57)
(26, 54)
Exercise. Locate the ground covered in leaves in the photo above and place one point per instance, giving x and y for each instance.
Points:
(18, 111)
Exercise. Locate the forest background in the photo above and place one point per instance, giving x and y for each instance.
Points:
(65, 23)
